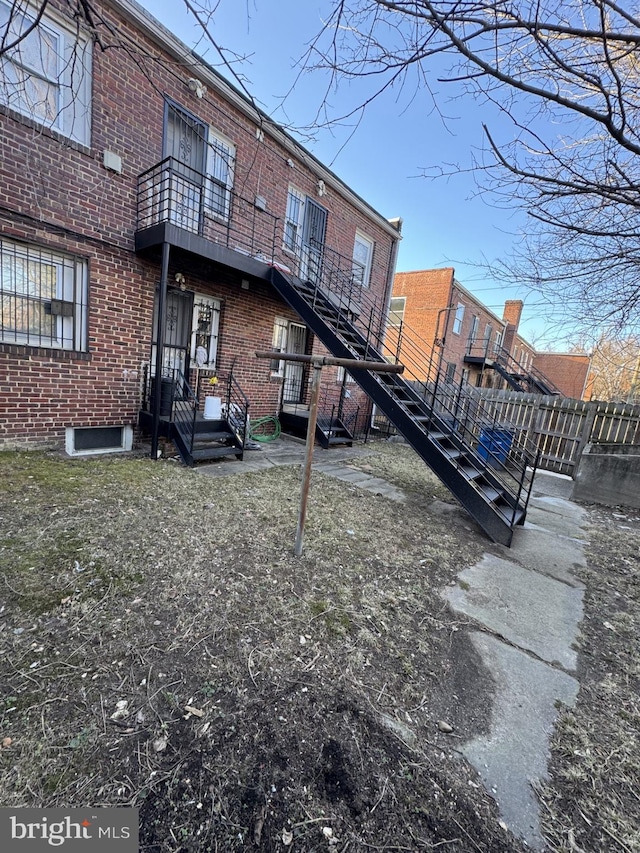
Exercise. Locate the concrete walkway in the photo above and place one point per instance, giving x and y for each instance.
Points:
(333, 463)
(526, 606)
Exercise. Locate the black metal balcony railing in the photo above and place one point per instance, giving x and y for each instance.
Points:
(171, 192)
(529, 376)
(174, 193)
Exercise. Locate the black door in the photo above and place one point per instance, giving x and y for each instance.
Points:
(185, 141)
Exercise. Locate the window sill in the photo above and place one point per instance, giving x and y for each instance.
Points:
(56, 135)
(44, 352)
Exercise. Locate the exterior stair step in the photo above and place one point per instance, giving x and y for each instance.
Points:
(215, 453)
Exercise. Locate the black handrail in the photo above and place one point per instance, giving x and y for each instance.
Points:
(171, 192)
(532, 376)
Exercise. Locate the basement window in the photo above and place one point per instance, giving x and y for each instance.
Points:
(84, 441)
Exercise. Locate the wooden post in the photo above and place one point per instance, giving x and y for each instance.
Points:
(318, 362)
(308, 460)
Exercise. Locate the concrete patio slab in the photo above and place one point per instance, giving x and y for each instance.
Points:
(534, 612)
(547, 553)
(515, 753)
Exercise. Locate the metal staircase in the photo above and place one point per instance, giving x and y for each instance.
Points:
(483, 461)
(517, 376)
(198, 439)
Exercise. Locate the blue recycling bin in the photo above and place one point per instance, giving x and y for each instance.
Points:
(495, 444)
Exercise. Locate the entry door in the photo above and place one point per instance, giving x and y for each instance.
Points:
(313, 236)
(292, 391)
(177, 334)
(185, 140)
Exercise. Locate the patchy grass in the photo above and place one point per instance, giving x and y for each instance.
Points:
(593, 801)
(131, 591)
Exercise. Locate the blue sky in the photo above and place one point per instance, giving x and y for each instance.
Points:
(446, 223)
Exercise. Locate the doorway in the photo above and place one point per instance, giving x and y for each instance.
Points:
(185, 141)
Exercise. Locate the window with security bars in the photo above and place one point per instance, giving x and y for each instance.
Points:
(45, 70)
(220, 161)
(43, 297)
(293, 220)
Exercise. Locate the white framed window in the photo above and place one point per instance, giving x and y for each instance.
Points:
(43, 297)
(221, 156)
(46, 73)
(204, 330)
(279, 344)
(396, 310)
(362, 259)
(473, 333)
(457, 320)
(340, 377)
(498, 340)
(294, 220)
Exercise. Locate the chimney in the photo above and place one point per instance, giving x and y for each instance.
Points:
(513, 312)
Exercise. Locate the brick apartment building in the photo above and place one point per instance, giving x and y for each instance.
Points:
(465, 341)
(136, 183)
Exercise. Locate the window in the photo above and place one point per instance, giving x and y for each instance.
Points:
(451, 371)
(498, 340)
(457, 322)
(46, 75)
(342, 377)
(279, 344)
(43, 297)
(304, 233)
(293, 220)
(474, 330)
(204, 332)
(220, 161)
(396, 310)
(362, 259)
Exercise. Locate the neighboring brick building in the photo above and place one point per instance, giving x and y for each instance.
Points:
(446, 319)
(131, 169)
(437, 324)
(568, 371)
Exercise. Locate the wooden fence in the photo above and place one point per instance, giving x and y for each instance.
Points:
(562, 427)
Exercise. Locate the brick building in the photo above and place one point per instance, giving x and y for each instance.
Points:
(143, 197)
(569, 372)
(437, 325)
(458, 333)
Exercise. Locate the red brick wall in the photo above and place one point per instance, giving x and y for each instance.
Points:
(58, 194)
(432, 297)
(567, 371)
(426, 292)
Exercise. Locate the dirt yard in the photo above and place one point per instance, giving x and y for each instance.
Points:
(161, 647)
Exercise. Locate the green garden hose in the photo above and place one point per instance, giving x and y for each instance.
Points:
(265, 429)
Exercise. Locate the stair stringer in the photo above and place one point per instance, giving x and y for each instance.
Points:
(497, 524)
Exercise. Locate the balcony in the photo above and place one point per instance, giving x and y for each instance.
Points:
(482, 352)
(193, 212)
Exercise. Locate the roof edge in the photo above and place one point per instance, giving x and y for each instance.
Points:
(143, 19)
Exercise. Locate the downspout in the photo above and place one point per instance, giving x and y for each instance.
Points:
(162, 312)
(391, 272)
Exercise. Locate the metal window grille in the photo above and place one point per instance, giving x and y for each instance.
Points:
(43, 297)
(293, 220)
